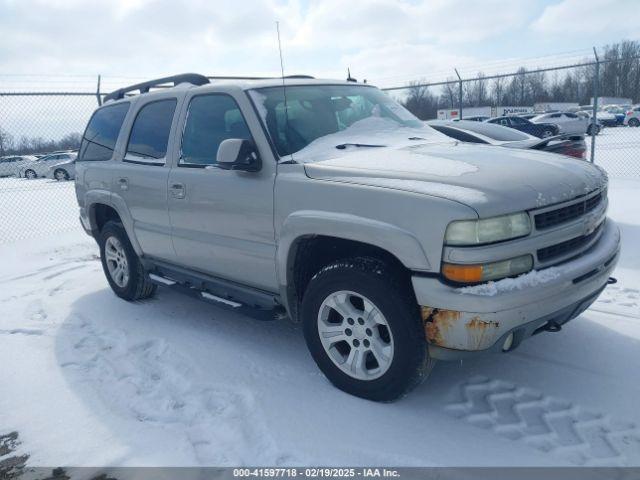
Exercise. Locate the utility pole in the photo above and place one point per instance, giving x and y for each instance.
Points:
(594, 114)
(459, 95)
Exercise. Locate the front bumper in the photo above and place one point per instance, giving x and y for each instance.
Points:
(458, 324)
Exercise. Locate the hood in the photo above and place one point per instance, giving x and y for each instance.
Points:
(492, 180)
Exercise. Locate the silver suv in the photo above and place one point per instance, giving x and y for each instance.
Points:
(328, 202)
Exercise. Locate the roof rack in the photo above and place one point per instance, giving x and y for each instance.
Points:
(193, 78)
(257, 78)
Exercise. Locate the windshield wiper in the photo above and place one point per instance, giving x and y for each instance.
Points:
(342, 146)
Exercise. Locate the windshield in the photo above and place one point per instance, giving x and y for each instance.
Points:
(322, 117)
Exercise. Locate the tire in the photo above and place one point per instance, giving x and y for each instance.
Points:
(116, 251)
(634, 122)
(30, 174)
(590, 130)
(547, 133)
(60, 174)
(364, 283)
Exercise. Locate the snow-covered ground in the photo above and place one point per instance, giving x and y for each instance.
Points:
(88, 379)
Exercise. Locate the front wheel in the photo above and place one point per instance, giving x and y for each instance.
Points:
(60, 174)
(634, 122)
(30, 174)
(121, 264)
(547, 133)
(363, 329)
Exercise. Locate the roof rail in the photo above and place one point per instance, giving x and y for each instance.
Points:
(193, 78)
(256, 78)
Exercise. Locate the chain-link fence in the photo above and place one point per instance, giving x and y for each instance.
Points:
(49, 126)
(598, 94)
(39, 123)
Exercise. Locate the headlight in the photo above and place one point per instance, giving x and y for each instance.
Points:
(488, 271)
(487, 230)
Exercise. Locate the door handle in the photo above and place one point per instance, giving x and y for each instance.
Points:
(178, 190)
(124, 183)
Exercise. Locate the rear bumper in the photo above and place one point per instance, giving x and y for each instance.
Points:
(458, 324)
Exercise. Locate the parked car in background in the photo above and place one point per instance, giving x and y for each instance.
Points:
(8, 165)
(528, 116)
(608, 119)
(619, 111)
(590, 127)
(632, 118)
(40, 166)
(474, 118)
(541, 130)
(63, 171)
(567, 121)
(474, 132)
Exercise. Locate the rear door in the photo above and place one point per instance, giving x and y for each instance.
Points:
(222, 220)
(141, 178)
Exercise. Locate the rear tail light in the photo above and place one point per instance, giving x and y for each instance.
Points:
(575, 152)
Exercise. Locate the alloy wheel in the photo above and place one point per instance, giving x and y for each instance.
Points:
(116, 260)
(355, 335)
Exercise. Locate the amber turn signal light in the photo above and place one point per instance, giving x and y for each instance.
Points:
(462, 273)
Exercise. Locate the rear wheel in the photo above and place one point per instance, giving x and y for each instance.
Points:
(121, 264)
(547, 133)
(634, 122)
(363, 329)
(61, 174)
(30, 174)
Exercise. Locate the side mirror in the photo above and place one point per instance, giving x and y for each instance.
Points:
(238, 154)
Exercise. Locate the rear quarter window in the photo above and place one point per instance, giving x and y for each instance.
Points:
(150, 133)
(99, 139)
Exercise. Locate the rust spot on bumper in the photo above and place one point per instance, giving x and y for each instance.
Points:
(479, 329)
(459, 330)
(438, 322)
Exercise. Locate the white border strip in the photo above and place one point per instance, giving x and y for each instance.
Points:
(215, 298)
(159, 279)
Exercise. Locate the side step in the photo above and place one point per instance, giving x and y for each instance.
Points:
(227, 304)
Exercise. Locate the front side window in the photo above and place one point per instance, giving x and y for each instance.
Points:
(328, 115)
(150, 133)
(99, 139)
(211, 119)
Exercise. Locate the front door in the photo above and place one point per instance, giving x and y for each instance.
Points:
(222, 220)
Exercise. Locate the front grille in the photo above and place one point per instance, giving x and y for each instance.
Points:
(567, 247)
(565, 214)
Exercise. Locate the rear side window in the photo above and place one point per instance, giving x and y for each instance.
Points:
(150, 133)
(211, 119)
(99, 139)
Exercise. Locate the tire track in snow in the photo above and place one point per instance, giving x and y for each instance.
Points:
(546, 423)
(147, 381)
(616, 299)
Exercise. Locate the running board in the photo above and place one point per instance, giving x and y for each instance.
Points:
(273, 313)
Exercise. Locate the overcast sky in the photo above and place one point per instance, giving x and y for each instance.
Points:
(386, 41)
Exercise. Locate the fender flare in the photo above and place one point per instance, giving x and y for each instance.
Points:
(399, 242)
(116, 202)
